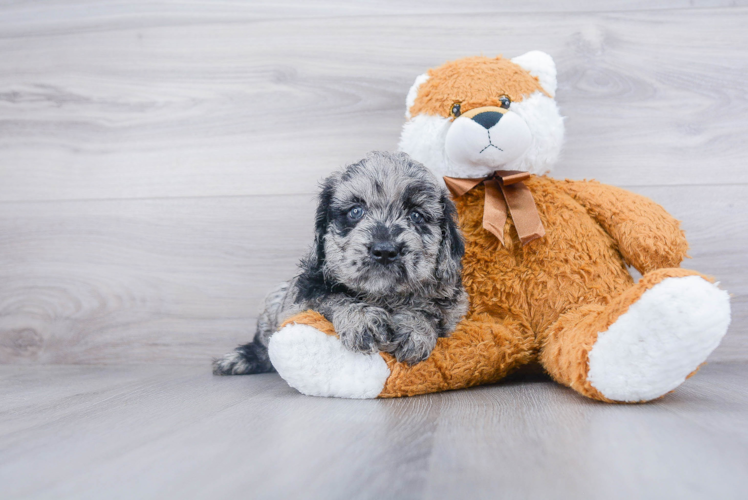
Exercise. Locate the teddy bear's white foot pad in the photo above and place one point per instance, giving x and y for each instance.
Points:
(317, 364)
(660, 340)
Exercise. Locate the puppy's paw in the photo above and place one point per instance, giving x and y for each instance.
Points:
(363, 328)
(414, 338)
(414, 349)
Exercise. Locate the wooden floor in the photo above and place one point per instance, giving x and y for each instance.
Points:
(179, 432)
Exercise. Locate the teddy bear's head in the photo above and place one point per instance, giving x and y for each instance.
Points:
(476, 115)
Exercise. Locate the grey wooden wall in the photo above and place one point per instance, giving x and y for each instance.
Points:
(158, 161)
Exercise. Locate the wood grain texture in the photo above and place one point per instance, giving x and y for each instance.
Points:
(132, 102)
(158, 159)
(180, 280)
(89, 14)
(178, 432)
(133, 281)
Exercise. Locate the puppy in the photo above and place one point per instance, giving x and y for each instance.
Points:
(385, 267)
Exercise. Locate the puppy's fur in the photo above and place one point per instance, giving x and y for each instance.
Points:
(385, 267)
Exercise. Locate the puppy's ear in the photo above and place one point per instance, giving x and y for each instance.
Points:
(311, 282)
(322, 219)
(449, 260)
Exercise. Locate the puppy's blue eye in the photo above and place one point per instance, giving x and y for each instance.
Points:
(416, 217)
(355, 213)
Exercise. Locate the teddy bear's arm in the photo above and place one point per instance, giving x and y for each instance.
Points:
(648, 237)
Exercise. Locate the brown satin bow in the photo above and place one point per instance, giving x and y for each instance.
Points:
(518, 197)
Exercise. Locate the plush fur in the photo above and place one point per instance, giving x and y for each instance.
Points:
(478, 82)
(565, 301)
(385, 267)
(339, 371)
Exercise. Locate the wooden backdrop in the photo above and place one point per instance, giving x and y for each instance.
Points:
(158, 160)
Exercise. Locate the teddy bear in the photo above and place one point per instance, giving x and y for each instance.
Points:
(546, 260)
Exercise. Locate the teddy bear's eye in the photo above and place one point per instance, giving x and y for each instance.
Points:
(505, 101)
(455, 111)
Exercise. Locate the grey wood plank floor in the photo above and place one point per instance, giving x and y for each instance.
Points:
(178, 432)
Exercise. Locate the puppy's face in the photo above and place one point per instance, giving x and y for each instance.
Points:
(386, 224)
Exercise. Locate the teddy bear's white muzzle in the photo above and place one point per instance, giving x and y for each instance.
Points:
(484, 143)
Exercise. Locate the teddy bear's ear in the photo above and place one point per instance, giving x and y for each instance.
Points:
(413, 93)
(540, 65)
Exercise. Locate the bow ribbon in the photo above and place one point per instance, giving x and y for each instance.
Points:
(515, 194)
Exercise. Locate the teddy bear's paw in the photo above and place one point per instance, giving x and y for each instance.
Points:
(317, 364)
(662, 338)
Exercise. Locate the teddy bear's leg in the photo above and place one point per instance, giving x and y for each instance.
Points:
(643, 343)
(310, 358)
(481, 350)
(308, 355)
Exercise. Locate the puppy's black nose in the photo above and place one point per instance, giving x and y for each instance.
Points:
(488, 118)
(384, 252)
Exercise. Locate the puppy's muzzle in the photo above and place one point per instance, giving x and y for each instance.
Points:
(384, 252)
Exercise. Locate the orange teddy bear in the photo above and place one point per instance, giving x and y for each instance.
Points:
(545, 261)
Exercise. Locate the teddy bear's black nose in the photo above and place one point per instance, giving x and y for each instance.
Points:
(488, 118)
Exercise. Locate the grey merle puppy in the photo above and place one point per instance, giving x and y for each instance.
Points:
(385, 267)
